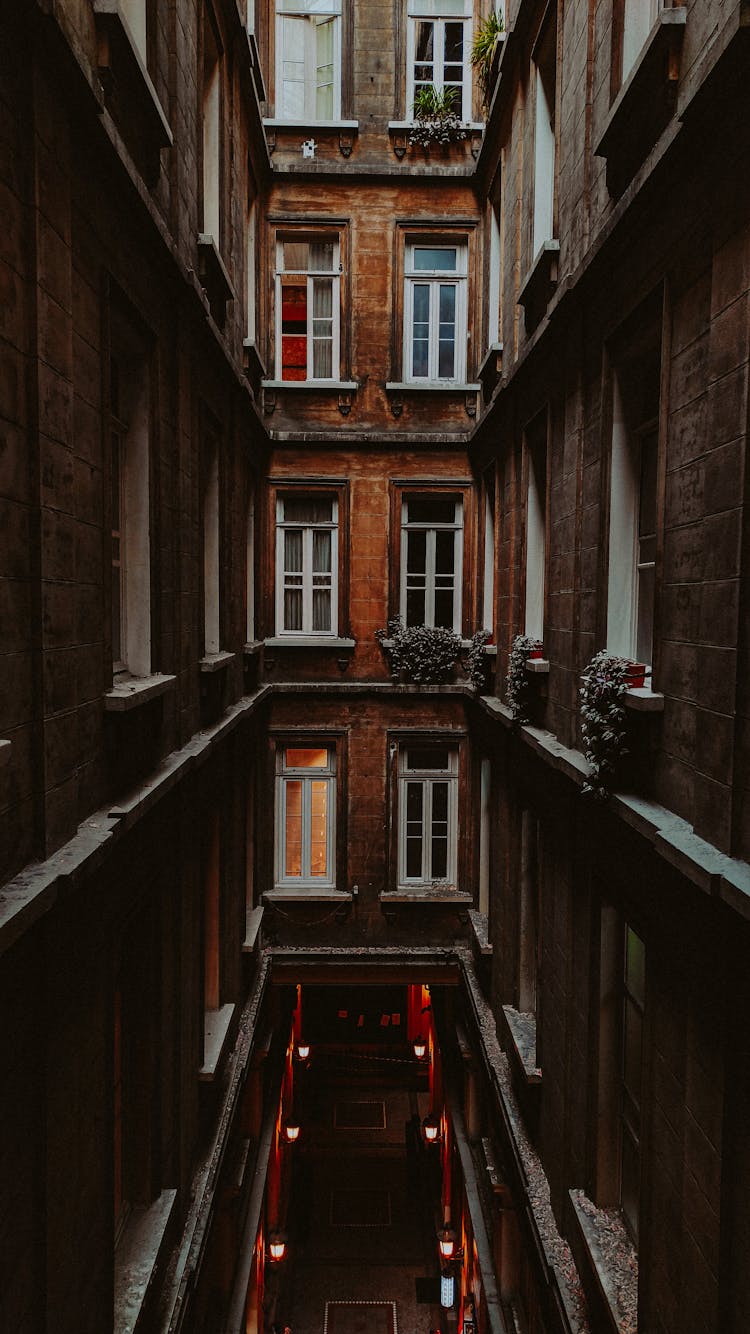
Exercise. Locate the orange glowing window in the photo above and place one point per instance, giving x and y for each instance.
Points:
(306, 809)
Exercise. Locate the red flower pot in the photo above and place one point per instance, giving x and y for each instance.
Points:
(635, 676)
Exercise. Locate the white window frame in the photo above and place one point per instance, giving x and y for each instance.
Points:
(488, 581)
(133, 561)
(439, 12)
(307, 11)
(544, 166)
(435, 279)
(334, 275)
(285, 774)
(428, 779)
(637, 21)
(211, 133)
(282, 526)
(432, 528)
(624, 583)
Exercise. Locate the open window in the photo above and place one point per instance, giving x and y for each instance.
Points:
(308, 60)
(308, 301)
(438, 52)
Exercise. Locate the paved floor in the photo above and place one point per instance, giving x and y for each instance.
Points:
(363, 1217)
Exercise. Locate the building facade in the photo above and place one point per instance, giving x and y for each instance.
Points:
(323, 355)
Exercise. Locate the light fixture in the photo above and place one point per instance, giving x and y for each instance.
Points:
(447, 1290)
(303, 1049)
(446, 1242)
(431, 1128)
(277, 1247)
(291, 1130)
(420, 1047)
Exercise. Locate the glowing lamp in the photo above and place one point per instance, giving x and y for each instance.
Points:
(277, 1247)
(447, 1291)
(446, 1243)
(291, 1131)
(303, 1050)
(420, 1048)
(431, 1128)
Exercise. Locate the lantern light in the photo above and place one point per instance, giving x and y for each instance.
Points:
(277, 1247)
(447, 1290)
(431, 1128)
(420, 1047)
(446, 1242)
(303, 1049)
(291, 1130)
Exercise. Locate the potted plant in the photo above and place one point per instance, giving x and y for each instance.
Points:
(424, 654)
(517, 681)
(484, 50)
(436, 120)
(605, 682)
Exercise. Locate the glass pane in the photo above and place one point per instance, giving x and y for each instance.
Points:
(321, 257)
(444, 608)
(293, 330)
(292, 38)
(424, 42)
(414, 808)
(293, 828)
(321, 608)
(116, 615)
(454, 42)
(319, 828)
(630, 1182)
(324, 70)
(421, 330)
(293, 551)
(635, 965)
(308, 509)
(415, 606)
(647, 499)
(305, 758)
(322, 328)
(645, 612)
(295, 256)
(633, 1052)
(293, 609)
(428, 757)
(427, 259)
(322, 551)
(416, 552)
(310, 6)
(436, 7)
(447, 332)
(439, 868)
(431, 509)
(445, 546)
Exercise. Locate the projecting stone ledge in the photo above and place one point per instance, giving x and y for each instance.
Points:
(137, 1260)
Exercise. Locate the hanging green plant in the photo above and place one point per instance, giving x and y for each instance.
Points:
(475, 660)
(486, 41)
(517, 680)
(602, 695)
(423, 654)
(436, 120)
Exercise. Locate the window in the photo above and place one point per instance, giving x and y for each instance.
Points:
(439, 45)
(633, 1003)
(536, 526)
(305, 815)
(529, 911)
(135, 13)
(250, 567)
(435, 313)
(427, 814)
(545, 70)
(431, 560)
(307, 565)
(250, 250)
(308, 60)
(211, 545)
(129, 430)
(494, 277)
(211, 132)
(633, 511)
(307, 309)
(633, 22)
(488, 582)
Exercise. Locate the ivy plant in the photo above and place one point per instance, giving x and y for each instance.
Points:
(602, 695)
(475, 660)
(424, 654)
(517, 680)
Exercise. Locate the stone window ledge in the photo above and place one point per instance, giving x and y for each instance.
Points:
(403, 126)
(521, 1029)
(255, 368)
(610, 1261)
(215, 662)
(480, 931)
(130, 692)
(216, 1024)
(430, 895)
(313, 386)
(541, 279)
(213, 271)
(643, 700)
(5, 748)
(538, 666)
(137, 1259)
(252, 648)
(430, 387)
(253, 920)
(117, 50)
(302, 896)
(321, 126)
(310, 642)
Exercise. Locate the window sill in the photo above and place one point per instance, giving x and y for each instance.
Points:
(642, 700)
(540, 281)
(127, 83)
(253, 920)
(430, 387)
(403, 126)
(538, 666)
(254, 367)
(310, 641)
(645, 102)
(132, 691)
(213, 271)
(5, 749)
(610, 1263)
(480, 931)
(330, 386)
(332, 126)
(137, 1259)
(216, 1025)
(430, 894)
(311, 895)
(521, 1029)
(252, 648)
(215, 662)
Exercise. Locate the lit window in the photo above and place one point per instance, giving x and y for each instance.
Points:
(431, 560)
(435, 313)
(439, 37)
(305, 815)
(129, 425)
(307, 309)
(308, 59)
(306, 565)
(427, 816)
